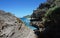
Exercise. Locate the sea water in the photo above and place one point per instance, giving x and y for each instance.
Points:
(27, 23)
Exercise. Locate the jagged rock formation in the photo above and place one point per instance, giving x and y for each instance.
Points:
(39, 13)
(49, 18)
(13, 27)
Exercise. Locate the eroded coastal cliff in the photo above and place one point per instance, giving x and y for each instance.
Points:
(47, 19)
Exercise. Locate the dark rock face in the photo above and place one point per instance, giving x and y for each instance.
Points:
(40, 12)
(49, 19)
(53, 26)
(43, 8)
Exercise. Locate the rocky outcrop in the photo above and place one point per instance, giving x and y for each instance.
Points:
(49, 18)
(13, 27)
(40, 12)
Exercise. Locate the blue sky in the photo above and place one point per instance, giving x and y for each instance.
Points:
(20, 8)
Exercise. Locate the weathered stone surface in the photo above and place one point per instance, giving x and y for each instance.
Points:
(13, 27)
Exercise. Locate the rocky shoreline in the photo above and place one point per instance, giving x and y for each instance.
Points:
(13, 27)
